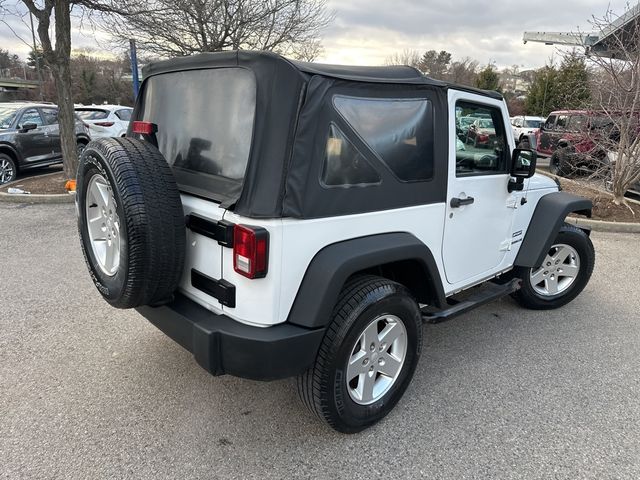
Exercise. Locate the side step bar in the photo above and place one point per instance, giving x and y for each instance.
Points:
(484, 294)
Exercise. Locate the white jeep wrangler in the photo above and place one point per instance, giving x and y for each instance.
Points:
(278, 218)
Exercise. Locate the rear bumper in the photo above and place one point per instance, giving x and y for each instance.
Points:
(222, 345)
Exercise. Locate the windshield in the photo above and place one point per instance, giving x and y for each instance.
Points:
(92, 114)
(7, 115)
(485, 123)
(532, 123)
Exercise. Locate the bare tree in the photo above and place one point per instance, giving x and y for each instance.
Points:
(406, 57)
(463, 72)
(182, 27)
(56, 53)
(617, 95)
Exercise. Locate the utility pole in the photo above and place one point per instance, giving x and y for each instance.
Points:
(134, 67)
(37, 59)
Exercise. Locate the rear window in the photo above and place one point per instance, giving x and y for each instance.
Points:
(124, 114)
(205, 124)
(532, 123)
(92, 114)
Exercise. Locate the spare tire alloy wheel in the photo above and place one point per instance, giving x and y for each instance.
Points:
(7, 169)
(103, 224)
(131, 222)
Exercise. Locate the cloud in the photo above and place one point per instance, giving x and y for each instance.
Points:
(368, 31)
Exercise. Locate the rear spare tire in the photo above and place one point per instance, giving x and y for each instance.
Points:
(130, 221)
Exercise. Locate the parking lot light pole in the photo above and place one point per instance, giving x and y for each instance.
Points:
(134, 67)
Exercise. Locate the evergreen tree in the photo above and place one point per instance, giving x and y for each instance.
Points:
(542, 96)
(488, 79)
(563, 88)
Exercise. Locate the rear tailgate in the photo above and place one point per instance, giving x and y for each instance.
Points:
(204, 254)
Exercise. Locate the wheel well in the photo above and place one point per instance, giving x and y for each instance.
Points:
(11, 153)
(409, 273)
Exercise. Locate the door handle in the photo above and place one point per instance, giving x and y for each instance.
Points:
(459, 202)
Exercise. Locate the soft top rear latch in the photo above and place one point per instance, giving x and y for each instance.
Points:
(221, 230)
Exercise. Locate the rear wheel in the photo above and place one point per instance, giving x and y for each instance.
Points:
(563, 274)
(8, 170)
(368, 355)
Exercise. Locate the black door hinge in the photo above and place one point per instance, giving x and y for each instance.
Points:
(221, 230)
(221, 290)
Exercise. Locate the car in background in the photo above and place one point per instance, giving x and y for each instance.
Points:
(481, 132)
(523, 126)
(105, 120)
(30, 138)
(576, 140)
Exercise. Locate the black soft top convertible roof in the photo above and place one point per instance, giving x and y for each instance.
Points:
(290, 98)
(397, 74)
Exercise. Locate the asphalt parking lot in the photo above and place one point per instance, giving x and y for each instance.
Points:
(87, 391)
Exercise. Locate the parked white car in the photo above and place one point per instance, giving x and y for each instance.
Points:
(524, 125)
(105, 120)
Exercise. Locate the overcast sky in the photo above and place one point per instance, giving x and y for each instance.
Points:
(366, 32)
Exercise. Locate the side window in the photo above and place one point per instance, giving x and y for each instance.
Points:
(50, 115)
(31, 116)
(561, 124)
(399, 131)
(517, 122)
(124, 114)
(550, 123)
(344, 165)
(577, 123)
(481, 148)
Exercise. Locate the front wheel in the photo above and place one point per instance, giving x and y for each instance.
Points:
(8, 170)
(563, 274)
(367, 357)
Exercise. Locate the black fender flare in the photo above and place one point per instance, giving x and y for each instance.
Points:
(548, 217)
(334, 264)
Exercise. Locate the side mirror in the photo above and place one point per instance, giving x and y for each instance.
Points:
(523, 165)
(28, 127)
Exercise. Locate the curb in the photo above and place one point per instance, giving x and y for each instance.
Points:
(601, 226)
(35, 198)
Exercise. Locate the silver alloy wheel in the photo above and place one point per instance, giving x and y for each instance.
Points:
(376, 359)
(558, 271)
(6, 171)
(103, 224)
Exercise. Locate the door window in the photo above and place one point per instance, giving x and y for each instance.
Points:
(481, 147)
(31, 116)
(561, 123)
(550, 123)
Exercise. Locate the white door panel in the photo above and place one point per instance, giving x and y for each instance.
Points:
(477, 236)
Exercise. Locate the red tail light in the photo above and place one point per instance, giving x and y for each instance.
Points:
(104, 124)
(250, 251)
(144, 128)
